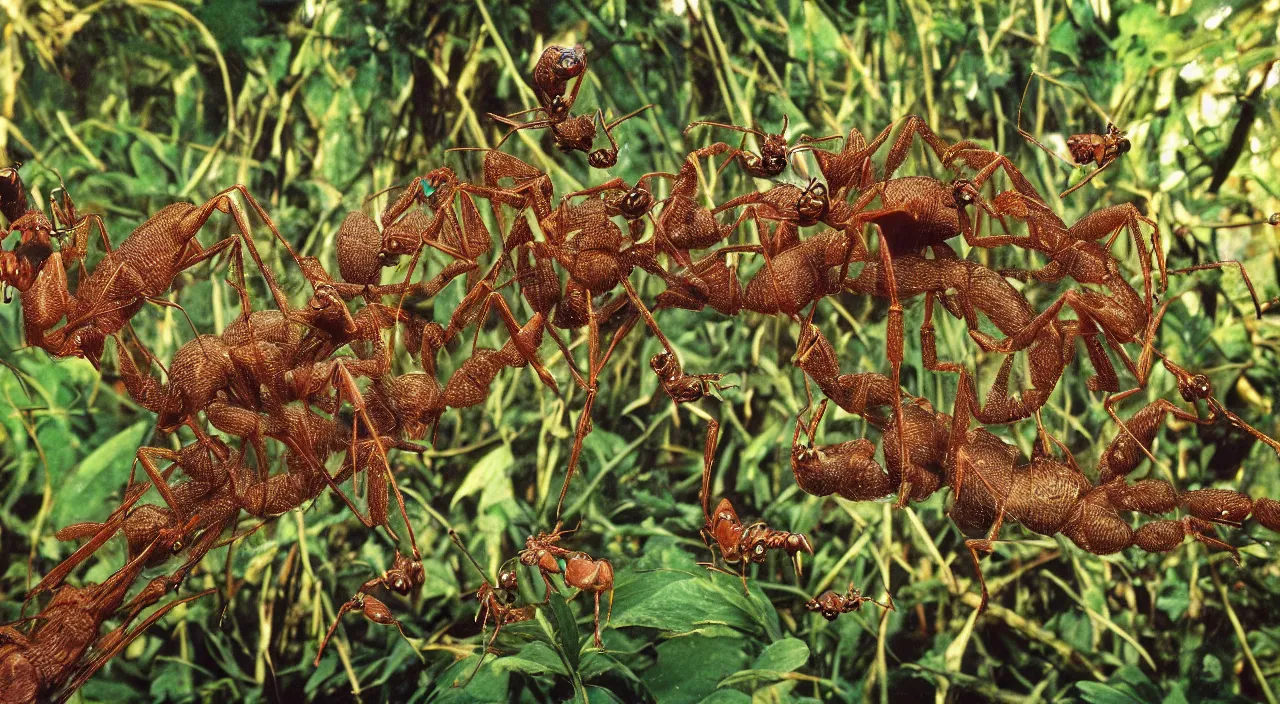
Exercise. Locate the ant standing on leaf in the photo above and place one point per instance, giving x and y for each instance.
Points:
(739, 543)
(581, 571)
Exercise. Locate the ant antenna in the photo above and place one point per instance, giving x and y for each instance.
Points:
(453, 535)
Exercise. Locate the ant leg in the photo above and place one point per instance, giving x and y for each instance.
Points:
(1104, 377)
(1028, 334)
(147, 456)
(522, 345)
(913, 125)
(222, 201)
(1225, 263)
(86, 672)
(1086, 179)
(986, 545)
(893, 341)
(928, 342)
(974, 158)
(351, 603)
(708, 460)
(599, 643)
(644, 313)
(584, 427)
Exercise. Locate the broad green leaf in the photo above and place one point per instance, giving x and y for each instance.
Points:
(534, 659)
(786, 655)
(566, 625)
(490, 469)
(684, 603)
(690, 667)
(103, 472)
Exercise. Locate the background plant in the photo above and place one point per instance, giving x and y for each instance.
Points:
(317, 105)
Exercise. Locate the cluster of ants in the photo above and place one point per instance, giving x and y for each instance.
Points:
(273, 384)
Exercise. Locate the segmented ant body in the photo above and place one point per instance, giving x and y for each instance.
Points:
(581, 571)
(831, 603)
(404, 577)
(775, 152)
(744, 544)
(495, 601)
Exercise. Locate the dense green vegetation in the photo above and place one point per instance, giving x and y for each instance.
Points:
(316, 106)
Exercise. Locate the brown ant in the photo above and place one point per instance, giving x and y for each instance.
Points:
(774, 154)
(831, 604)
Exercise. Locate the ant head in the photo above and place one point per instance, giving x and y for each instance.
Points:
(571, 62)
(508, 581)
(399, 583)
(635, 203)
(964, 192)
(796, 543)
(603, 159)
(1274, 220)
(661, 362)
(86, 342)
(773, 157)
(1194, 387)
(802, 455)
(438, 179)
(813, 203)
(13, 195)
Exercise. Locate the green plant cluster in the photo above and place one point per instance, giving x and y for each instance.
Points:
(317, 106)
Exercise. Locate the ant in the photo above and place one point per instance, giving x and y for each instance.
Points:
(831, 604)
(495, 602)
(774, 150)
(739, 543)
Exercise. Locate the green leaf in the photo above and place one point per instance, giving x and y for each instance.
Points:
(537, 658)
(678, 602)
(689, 668)
(488, 470)
(1098, 693)
(600, 694)
(567, 635)
(104, 471)
(787, 655)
